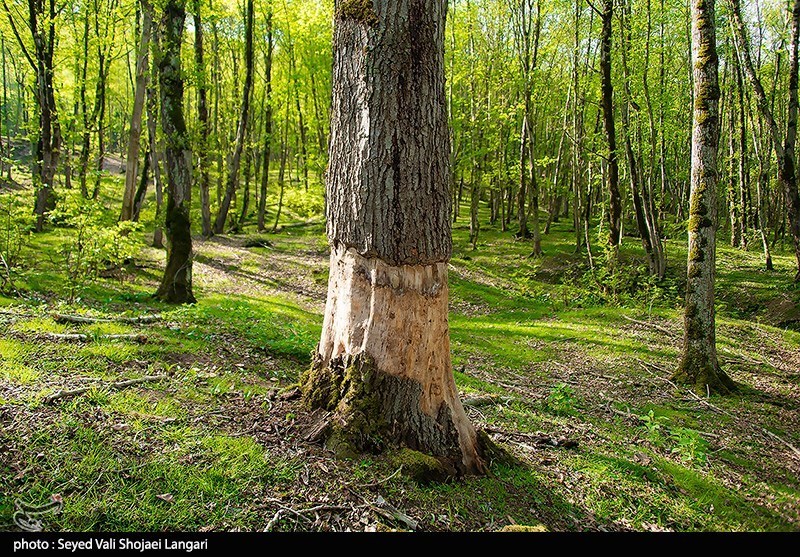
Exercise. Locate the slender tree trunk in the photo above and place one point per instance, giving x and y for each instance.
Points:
(522, 214)
(383, 362)
(534, 190)
(202, 118)
(282, 167)
(132, 158)
(100, 112)
(141, 190)
(41, 24)
(262, 200)
(233, 171)
(744, 171)
(607, 101)
(83, 160)
(699, 365)
(5, 111)
(784, 146)
(176, 285)
(733, 175)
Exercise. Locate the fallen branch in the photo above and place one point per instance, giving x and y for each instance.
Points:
(118, 385)
(385, 509)
(83, 337)
(538, 438)
(386, 479)
(484, 400)
(82, 319)
(298, 513)
(651, 325)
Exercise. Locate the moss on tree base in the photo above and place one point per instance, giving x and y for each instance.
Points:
(373, 411)
(704, 379)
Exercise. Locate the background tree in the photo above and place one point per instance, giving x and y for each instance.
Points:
(40, 22)
(176, 285)
(699, 365)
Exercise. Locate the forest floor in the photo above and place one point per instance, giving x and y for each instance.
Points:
(572, 379)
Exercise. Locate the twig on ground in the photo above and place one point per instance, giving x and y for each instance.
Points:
(384, 508)
(82, 337)
(140, 320)
(386, 479)
(651, 325)
(118, 385)
(298, 513)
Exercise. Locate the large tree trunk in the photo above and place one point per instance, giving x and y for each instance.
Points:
(176, 285)
(699, 365)
(383, 361)
(132, 158)
(233, 170)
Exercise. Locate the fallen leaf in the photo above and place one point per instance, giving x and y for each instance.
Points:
(165, 497)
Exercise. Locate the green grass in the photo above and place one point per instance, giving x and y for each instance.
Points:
(554, 346)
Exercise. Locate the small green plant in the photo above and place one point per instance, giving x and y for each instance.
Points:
(653, 425)
(561, 400)
(690, 447)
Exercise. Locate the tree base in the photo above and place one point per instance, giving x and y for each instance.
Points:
(372, 411)
(705, 379)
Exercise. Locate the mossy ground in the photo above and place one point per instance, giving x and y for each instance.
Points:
(225, 451)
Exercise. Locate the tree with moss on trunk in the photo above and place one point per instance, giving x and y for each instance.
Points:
(382, 367)
(699, 365)
(176, 285)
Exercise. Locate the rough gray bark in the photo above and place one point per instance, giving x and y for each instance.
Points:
(383, 362)
(380, 167)
(699, 365)
(132, 158)
(176, 285)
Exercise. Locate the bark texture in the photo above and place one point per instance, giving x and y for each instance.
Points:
(699, 365)
(383, 361)
(388, 126)
(176, 285)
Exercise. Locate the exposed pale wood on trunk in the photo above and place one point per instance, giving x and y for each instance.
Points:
(383, 361)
